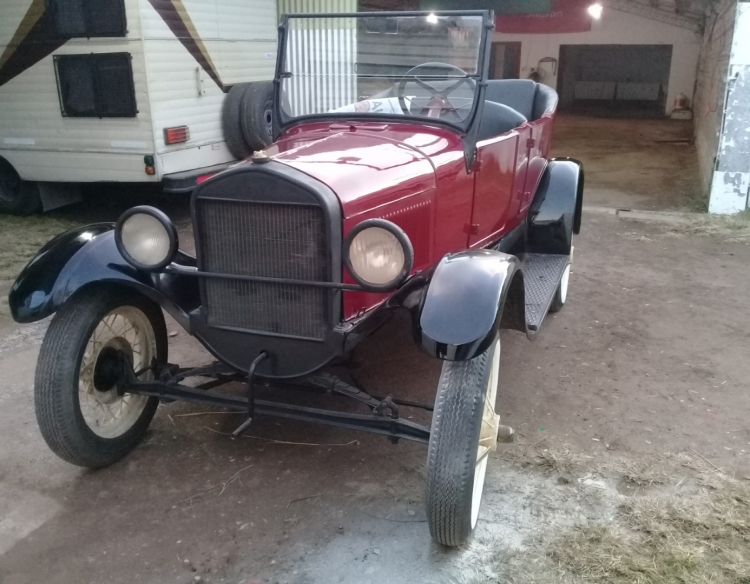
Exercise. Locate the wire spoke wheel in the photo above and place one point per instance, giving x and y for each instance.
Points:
(561, 295)
(107, 411)
(487, 435)
(83, 415)
(464, 433)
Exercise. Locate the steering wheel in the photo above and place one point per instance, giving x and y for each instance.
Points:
(439, 100)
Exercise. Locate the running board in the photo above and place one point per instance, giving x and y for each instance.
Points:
(541, 277)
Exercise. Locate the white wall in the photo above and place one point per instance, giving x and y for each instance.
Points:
(730, 184)
(617, 28)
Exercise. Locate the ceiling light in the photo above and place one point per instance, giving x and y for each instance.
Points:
(595, 10)
(432, 18)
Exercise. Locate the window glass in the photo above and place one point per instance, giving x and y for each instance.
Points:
(423, 66)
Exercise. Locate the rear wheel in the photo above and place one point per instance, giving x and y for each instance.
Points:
(464, 433)
(83, 415)
(17, 197)
(561, 295)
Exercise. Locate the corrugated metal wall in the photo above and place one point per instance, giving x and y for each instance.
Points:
(321, 56)
(317, 6)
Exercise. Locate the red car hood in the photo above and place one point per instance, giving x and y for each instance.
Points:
(364, 169)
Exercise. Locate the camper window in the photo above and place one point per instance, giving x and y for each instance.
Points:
(88, 18)
(96, 85)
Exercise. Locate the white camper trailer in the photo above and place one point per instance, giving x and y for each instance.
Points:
(121, 90)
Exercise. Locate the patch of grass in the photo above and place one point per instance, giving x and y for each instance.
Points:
(696, 202)
(664, 540)
(732, 228)
(555, 458)
(644, 472)
(696, 534)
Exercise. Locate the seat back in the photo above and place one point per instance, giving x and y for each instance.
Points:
(520, 94)
(545, 101)
(497, 119)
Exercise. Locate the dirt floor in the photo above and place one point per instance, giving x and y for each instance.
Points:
(634, 163)
(631, 462)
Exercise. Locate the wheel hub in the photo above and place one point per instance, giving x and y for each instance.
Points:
(107, 369)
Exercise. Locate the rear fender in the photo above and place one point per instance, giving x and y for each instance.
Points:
(464, 304)
(88, 256)
(555, 213)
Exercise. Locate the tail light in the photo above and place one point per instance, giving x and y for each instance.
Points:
(176, 135)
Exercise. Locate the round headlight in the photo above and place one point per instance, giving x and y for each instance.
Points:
(146, 238)
(378, 255)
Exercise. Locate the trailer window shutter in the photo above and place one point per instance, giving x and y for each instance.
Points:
(88, 18)
(96, 86)
(114, 81)
(76, 84)
(69, 17)
(106, 17)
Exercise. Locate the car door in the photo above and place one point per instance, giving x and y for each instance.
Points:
(538, 147)
(499, 182)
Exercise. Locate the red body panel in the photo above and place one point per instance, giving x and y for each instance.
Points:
(415, 176)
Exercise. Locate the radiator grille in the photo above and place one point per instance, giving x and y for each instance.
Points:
(269, 240)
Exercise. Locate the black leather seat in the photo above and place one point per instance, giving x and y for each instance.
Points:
(497, 119)
(516, 93)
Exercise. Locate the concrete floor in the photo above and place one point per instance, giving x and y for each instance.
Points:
(648, 357)
(635, 163)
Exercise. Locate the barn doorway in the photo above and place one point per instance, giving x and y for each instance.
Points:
(505, 61)
(615, 80)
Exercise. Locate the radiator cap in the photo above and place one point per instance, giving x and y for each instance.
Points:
(260, 157)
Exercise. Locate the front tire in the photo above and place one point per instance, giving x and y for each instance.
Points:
(82, 415)
(464, 433)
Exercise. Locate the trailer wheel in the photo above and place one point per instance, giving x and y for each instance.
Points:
(257, 115)
(17, 197)
(464, 433)
(82, 415)
(231, 122)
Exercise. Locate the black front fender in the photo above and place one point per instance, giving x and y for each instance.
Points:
(463, 305)
(86, 256)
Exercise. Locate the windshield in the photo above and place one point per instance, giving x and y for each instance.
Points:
(421, 66)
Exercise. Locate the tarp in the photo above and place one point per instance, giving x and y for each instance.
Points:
(499, 6)
(563, 16)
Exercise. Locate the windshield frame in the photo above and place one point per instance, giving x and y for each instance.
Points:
(466, 129)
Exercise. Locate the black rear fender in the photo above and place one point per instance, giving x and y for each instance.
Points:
(464, 304)
(85, 257)
(555, 213)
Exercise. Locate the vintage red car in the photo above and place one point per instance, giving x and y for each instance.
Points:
(399, 177)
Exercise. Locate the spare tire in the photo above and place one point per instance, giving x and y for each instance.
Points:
(257, 115)
(231, 114)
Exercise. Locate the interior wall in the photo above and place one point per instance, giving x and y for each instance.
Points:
(710, 85)
(618, 28)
